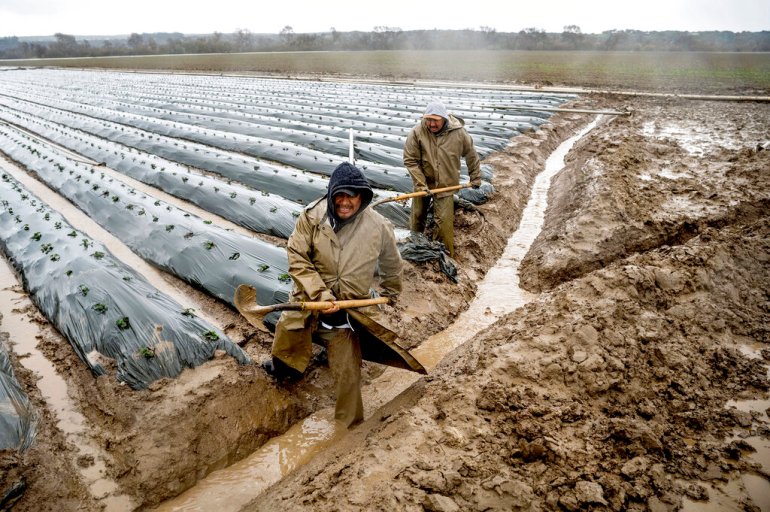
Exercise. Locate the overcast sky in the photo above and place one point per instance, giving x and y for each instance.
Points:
(105, 17)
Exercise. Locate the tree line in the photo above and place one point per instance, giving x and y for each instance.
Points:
(386, 38)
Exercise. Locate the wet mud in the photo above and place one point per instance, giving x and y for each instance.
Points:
(610, 389)
(616, 388)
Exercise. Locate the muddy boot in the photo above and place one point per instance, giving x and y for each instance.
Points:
(280, 371)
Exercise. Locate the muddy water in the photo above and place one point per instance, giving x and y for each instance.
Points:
(231, 488)
(727, 497)
(23, 334)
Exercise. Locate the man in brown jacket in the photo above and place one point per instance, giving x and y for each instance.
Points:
(339, 250)
(432, 156)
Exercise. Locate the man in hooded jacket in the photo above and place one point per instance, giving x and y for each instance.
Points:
(337, 251)
(432, 156)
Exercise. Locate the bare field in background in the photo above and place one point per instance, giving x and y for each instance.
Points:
(674, 72)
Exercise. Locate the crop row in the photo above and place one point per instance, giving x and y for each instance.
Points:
(197, 251)
(103, 307)
(262, 210)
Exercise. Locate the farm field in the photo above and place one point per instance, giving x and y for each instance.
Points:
(662, 72)
(622, 385)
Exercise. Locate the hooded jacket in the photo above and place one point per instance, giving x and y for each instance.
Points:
(328, 265)
(433, 161)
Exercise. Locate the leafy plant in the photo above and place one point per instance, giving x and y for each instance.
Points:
(189, 312)
(98, 255)
(147, 352)
(99, 308)
(211, 335)
(208, 244)
(37, 236)
(83, 289)
(284, 278)
(263, 267)
(122, 323)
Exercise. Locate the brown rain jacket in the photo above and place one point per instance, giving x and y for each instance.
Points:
(338, 266)
(434, 160)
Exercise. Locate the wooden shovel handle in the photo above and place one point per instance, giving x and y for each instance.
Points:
(317, 306)
(421, 193)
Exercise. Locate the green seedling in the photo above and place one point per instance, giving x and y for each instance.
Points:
(263, 267)
(98, 255)
(37, 236)
(234, 256)
(83, 289)
(99, 308)
(147, 352)
(284, 278)
(122, 323)
(211, 335)
(208, 244)
(189, 312)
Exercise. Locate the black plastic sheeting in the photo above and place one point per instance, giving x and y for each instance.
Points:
(418, 248)
(258, 211)
(293, 185)
(203, 254)
(103, 307)
(18, 421)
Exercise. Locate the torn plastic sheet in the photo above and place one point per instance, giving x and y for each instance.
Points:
(419, 248)
(18, 421)
(103, 307)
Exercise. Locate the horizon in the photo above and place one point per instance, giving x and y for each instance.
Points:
(85, 18)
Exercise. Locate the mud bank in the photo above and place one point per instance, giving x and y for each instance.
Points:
(157, 442)
(616, 388)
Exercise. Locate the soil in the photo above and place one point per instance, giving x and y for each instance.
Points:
(609, 391)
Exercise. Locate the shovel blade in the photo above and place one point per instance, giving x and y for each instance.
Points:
(245, 300)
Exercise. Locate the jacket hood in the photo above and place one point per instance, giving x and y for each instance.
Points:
(345, 179)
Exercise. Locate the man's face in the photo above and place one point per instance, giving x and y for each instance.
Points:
(346, 206)
(434, 123)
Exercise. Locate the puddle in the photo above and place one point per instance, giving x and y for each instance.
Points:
(229, 489)
(748, 485)
(23, 333)
(692, 138)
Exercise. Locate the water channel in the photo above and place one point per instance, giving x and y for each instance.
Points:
(231, 488)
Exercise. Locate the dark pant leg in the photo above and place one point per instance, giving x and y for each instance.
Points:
(419, 214)
(444, 214)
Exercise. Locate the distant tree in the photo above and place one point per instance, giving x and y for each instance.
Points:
(287, 35)
(64, 46)
(532, 38)
(243, 40)
(135, 41)
(572, 37)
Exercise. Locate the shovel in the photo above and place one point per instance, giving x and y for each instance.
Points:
(421, 193)
(245, 300)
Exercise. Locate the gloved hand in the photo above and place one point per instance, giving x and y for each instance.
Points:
(428, 193)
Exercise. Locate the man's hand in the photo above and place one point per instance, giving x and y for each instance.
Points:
(428, 193)
(335, 307)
